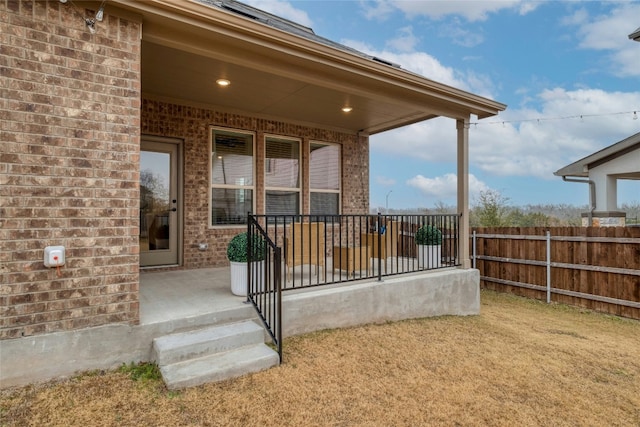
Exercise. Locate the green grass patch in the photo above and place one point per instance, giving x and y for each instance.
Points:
(143, 371)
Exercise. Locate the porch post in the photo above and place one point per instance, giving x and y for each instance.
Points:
(462, 126)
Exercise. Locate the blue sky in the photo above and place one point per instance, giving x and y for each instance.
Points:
(566, 69)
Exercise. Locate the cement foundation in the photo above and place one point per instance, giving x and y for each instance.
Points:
(43, 357)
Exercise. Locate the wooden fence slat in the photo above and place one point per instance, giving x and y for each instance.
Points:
(596, 268)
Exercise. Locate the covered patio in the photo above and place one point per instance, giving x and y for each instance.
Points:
(151, 75)
(185, 299)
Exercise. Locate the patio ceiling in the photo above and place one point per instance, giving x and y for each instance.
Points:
(279, 75)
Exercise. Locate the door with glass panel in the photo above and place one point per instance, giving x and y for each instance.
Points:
(159, 207)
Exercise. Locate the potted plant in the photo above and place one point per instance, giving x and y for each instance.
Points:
(237, 255)
(429, 241)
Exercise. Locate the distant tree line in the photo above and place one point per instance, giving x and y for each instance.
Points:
(491, 209)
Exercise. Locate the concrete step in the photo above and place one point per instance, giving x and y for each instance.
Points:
(218, 367)
(178, 347)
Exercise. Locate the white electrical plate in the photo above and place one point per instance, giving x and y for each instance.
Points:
(54, 256)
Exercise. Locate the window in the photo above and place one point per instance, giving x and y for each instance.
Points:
(232, 183)
(324, 178)
(282, 176)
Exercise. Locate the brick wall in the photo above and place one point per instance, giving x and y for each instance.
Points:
(69, 161)
(69, 168)
(191, 125)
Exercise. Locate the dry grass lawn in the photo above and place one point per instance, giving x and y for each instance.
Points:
(520, 362)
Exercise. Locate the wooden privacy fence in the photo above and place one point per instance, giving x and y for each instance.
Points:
(592, 267)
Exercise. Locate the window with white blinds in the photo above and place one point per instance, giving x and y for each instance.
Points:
(324, 178)
(232, 176)
(282, 176)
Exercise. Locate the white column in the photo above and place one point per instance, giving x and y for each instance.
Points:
(462, 125)
(612, 193)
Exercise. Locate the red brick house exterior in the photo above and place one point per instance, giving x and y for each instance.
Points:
(69, 168)
(75, 107)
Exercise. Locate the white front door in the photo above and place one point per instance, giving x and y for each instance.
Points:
(159, 204)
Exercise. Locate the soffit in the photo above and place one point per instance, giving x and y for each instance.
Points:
(282, 76)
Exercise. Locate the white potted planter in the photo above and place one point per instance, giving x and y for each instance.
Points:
(239, 277)
(429, 241)
(237, 255)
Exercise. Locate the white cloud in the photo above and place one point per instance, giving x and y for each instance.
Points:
(379, 9)
(610, 32)
(433, 141)
(426, 65)
(283, 9)
(578, 17)
(446, 186)
(538, 148)
(471, 10)
(460, 33)
(522, 145)
(405, 41)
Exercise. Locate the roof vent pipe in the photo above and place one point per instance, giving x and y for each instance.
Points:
(592, 195)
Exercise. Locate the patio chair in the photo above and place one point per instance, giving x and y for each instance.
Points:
(388, 242)
(304, 245)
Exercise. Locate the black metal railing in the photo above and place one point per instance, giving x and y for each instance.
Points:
(264, 287)
(327, 249)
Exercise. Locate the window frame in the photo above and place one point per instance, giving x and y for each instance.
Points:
(211, 186)
(326, 191)
(266, 172)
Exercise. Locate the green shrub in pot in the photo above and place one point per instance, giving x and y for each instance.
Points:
(237, 248)
(428, 235)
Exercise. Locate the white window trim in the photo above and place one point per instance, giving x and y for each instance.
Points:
(300, 171)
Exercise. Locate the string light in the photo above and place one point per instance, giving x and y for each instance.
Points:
(539, 120)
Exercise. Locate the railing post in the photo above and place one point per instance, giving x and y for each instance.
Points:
(379, 237)
(277, 275)
(249, 240)
(548, 267)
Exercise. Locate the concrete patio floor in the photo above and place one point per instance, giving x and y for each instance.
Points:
(182, 294)
(173, 295)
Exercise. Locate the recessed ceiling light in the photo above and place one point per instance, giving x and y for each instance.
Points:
(223, 82)
(347, 109)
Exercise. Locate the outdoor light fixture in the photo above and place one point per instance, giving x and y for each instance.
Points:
(91, 25)
(89, 22)
(223, 82)
(347, 109)
(100, 13)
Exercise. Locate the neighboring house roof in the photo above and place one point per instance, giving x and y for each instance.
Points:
(282, 70)
(635, 35)
(581, 167)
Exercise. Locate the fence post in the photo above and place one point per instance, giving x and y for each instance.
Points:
(474, 248)
(548, 267)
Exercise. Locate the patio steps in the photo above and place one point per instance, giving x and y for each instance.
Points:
(212, 353)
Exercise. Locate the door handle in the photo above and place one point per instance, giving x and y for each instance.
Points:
(174, 209)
